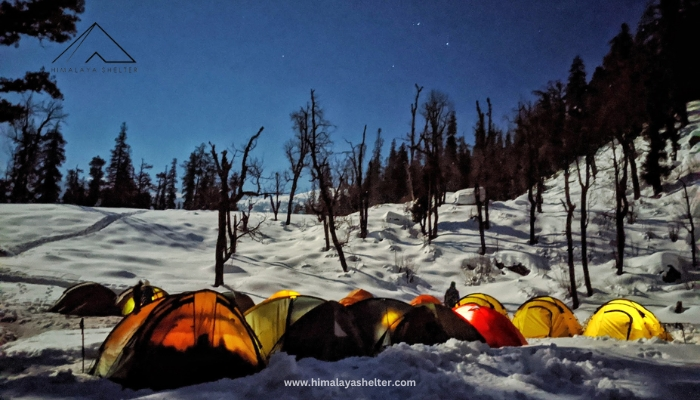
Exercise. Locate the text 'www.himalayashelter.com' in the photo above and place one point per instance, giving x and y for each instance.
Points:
(348, 383)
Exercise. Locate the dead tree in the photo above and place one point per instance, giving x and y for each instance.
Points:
(297, 150)
(413, 143)
(279, 182)
(435, 111)
(226, 244)
(320, 153)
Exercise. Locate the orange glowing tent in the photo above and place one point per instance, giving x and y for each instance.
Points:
(180, 340)
(355, 296)
(425, 299)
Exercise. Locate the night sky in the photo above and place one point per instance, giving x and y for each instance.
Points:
(218, 71)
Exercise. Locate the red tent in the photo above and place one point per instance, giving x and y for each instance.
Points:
(493, 326)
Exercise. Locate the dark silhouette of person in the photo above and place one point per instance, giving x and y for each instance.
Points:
(451, 296)
(147, 295)
(137, 294)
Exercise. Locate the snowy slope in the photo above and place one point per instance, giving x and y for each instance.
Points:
(53, 246)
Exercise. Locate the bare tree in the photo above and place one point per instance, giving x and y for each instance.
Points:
(320, 152)
(435, 111)
(27, 133)
(279, 182)
(297, 150)
(413, 143)
(226, 245)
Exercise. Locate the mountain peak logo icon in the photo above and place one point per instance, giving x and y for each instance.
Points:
(95, 43)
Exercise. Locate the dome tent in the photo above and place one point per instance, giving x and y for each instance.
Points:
(625, 320)
(125, 300)
(355, 296)
(496, 329)
(180, 340)
(375, 317)
(241, 300)
(328, 332)
(271, 318)
(546, 316)
(485, 300)
(431, 324)
(87, 299)
(425, 299)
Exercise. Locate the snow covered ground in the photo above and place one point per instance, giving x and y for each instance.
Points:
(49, 247)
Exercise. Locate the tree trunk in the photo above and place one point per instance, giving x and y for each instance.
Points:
(337, 244)
(584, 225)
(630, 155)
(691, 230)
(533, 217)
(540, 192)
(326, 233)
(435, 221)
(477, 196)
(570, 207)
(621, 209)
(221, 243)
(291, 200)
(487, 222)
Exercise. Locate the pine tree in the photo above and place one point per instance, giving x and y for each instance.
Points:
(449, 160)
(120, 174)
(75, 188)
(53, 156)
(143, 186)
(171, 188)
(96, 183)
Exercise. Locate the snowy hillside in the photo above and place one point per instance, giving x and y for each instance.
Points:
(50, 247)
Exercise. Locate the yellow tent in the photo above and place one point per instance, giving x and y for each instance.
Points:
(271, 318)
(125, 300)
(625, 320)
(546, 317)
(483, 300)
(282, 294)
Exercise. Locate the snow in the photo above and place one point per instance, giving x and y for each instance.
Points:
(50, 247)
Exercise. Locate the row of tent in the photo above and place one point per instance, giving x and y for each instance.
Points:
(194, 337)
(95, 300)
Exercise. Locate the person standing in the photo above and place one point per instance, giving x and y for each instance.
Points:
(136, 294)
(451, 296)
